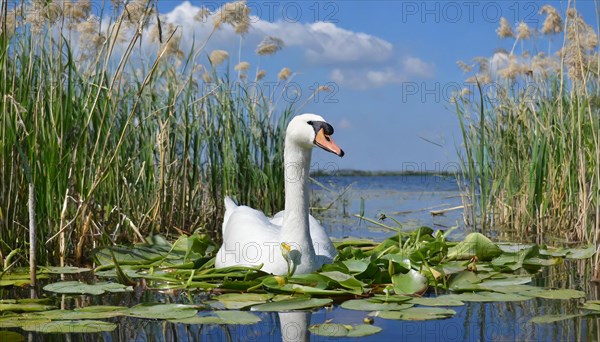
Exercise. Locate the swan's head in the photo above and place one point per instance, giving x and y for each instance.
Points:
(309, 130)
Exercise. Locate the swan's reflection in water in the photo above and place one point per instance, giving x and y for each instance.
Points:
(294, 326)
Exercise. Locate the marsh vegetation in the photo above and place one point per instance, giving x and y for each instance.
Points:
(130, 144)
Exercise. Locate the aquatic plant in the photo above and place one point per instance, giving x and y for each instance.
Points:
(530, 132)
(120, 143)
(412, 276)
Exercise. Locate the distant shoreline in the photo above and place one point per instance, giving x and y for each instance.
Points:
(362, 173)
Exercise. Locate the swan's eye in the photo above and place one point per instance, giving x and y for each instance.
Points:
(309, 122)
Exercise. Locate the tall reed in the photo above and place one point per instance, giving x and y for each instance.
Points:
(119, 144)
(531, 150)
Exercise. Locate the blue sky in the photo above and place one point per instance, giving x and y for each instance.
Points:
(392, 65)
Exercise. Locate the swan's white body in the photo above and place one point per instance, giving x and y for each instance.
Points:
(250, 238)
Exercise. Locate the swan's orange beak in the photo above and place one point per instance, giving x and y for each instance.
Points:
(325, 142)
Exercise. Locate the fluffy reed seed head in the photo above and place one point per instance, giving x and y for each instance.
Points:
(466, 68)
(40, 13)
(170, 39)
(523, 31)
(580, 46)
(91, 39)
(482, 78)
(553, 23)
(261, 74)
(12, 22)
(77, 11)
(207, 77)
(236, 14)
(284, 74)
(324, 88)
(171, 45)
(545, 66)
(217, 57)
(202, 14)
(137, 10)
(483, 64)
(514, 69)
(269, 45)
(242, 66)
(504, 31)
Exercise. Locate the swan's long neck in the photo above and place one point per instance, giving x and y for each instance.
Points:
(295, 229)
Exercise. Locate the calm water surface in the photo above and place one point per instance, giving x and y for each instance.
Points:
(408, 199)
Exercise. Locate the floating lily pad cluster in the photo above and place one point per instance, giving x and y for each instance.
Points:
(388, 280)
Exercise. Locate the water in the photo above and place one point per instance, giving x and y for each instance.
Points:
(409, 199)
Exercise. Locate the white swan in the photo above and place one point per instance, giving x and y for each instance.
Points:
(251, 238)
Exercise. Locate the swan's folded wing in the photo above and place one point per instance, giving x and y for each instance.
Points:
(250, 239)
(321, 241)
(230, 207)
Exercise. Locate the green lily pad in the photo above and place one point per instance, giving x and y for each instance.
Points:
(357, 266)
(329, 330)
(141, 254)
(64, 270)
(513, 247)
(343, 330)
(401, 261)
(102, 308)
(511, 288)
(542, 262)
(24, 307)
(554, 252)
(556, 294)
(75, 287)
(474, 245)
(162, 311)
(372, 305)
(345, 280)
(92, 312)
(18, 321)
(363, 330)
(494, 283)
(593, 305)
(234, 301)
(581, 253)
(221, 317)
(464, 281)
(443, 300)
(489, 297)
(11, 336)
(272, 283)
(455, 266)
(131, 273)
(546, 319)
(65, 327)
(312, 280)
(409, 283)
(391, 298)
(416, 314)
(293, 304)
(18, 279)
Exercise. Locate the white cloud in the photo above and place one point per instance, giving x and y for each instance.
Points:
(417, 67)
(322, 43)
(363, 79)
(325, 43)
(359, 60)
(368, 78)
